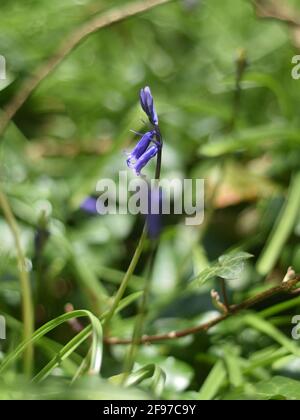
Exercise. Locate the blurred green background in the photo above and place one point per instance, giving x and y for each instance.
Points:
(242, 138)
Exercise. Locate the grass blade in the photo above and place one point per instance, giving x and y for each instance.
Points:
(282, 230)
(213, 382)
(97, 339)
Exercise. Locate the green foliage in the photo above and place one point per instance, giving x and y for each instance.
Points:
(228, 267)
(73, 131)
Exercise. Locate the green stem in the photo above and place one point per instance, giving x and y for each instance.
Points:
(138, 326)
(27, 305)
(140, 246)
(127, 277)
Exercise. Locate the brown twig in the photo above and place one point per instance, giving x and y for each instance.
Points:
(285, 287)
(71, 42)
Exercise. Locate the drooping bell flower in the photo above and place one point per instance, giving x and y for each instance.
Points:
(144, 151)
(144, 159)
(140, 148)
(89, 205)
(147, 104)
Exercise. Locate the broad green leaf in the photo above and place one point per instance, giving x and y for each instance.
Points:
(279, 388)
(232, 265)
(228, 267)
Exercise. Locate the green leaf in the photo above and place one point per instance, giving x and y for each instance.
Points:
(140, 375)
(266, 328)
(128, 300)
(49, 347)
(95, 329)
(232, 265)
(279, 387)
(233, 365)
(179, 374)
(282, 230)
(280, 307)
(158, 381)
(213, 382)
(64, 353)
(157, 375)
(228, 267)
(250, 139)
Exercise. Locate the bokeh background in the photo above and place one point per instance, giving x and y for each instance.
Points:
(229, 113)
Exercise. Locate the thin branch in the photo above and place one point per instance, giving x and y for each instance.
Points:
(286, 287)
(72, 41)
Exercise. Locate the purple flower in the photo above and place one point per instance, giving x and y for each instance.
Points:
(153, 219)
(144, 151)
(147, 104)
(89, 205)
(144, 159)
(140, 148)
(92, 205)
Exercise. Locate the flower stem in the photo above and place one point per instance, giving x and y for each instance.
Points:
(27, 305)
(127, 277)
(138, 326)
(159, 154)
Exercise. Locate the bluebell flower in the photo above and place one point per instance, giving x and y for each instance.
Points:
(144, 151)
(145, 158)
(155, 211)
(92, 205)
(89, 205)
(147, 104)
(140, 148)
